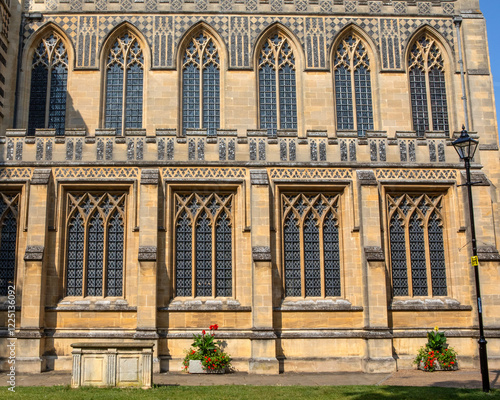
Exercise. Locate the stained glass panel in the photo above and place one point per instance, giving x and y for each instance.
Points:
(8, 252)
(95, 256)
(75, 256)
(203, 256)
(312, 264)
(436, 255)
(331, 255)
(223, 256)
(291, 239)
(114, 269)
(183, 256)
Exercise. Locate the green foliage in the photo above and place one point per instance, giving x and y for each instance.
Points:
(216, 360)
(208, 350)
(436, 351)
(436, 340)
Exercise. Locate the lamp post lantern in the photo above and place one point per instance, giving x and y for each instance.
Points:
(466, 147)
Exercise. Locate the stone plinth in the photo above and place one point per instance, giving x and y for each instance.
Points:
(112, 364)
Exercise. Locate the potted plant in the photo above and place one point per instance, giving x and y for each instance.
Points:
(206, 354)
(436, 355)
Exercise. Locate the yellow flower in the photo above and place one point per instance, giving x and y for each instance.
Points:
(436, 328)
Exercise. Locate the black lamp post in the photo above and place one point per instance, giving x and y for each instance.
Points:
(466, 147)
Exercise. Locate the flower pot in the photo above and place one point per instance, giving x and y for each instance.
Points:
(438, 367)
(195, 367)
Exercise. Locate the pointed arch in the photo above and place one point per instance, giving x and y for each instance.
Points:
(429, 62)
(125, 56)
(47, 58)
(278, 56)
(354, 67)
(201, 58)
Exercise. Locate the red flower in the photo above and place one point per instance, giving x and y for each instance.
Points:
(216, 327)
(203, 331)
(215, 351)
(209, 359)
(452, 362)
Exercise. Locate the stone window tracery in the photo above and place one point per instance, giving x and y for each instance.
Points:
(311, 249)
(416, 240)
(201, 85)
(353, 81)
(203, 244)
(9, 204)
(427, 86)
(95, 244)
(49, 77)
(124, 84)
(277, 85)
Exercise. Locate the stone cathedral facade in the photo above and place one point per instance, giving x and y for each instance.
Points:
(282, 168)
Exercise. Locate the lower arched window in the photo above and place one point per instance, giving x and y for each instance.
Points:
(204, 244)
(48, 88)
(95, 244)
(416, 242)
(311, 250)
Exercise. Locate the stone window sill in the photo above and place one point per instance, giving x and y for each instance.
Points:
(428, 305)
(318, 305)
(92, 305)
(205, 305)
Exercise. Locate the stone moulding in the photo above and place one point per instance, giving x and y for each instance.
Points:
(147, 253)
(108, 364)
(34, 253)
(261, 253)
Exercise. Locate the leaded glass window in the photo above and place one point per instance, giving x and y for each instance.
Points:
(201, 85)
(428, 86)
(311, 256)
(203, 244)
(353, 81)
(277, 85)
(49, 77)
(9, 204)
(95, 244)
(124, 84)
(416, 242)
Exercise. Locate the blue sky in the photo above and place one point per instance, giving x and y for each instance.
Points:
(491, 11)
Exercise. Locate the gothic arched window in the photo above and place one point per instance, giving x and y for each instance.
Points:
(95, 244)
(311, 250)
(353, 81)
(49, 77)
(124, 84)
(416, 235)
(427, 86)
(277, 85)
(203, 245)
(9, 204)
(201, 85)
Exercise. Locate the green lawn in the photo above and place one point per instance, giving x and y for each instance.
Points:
(250, 393)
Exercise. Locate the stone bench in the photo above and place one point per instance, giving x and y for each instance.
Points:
(108, 364)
